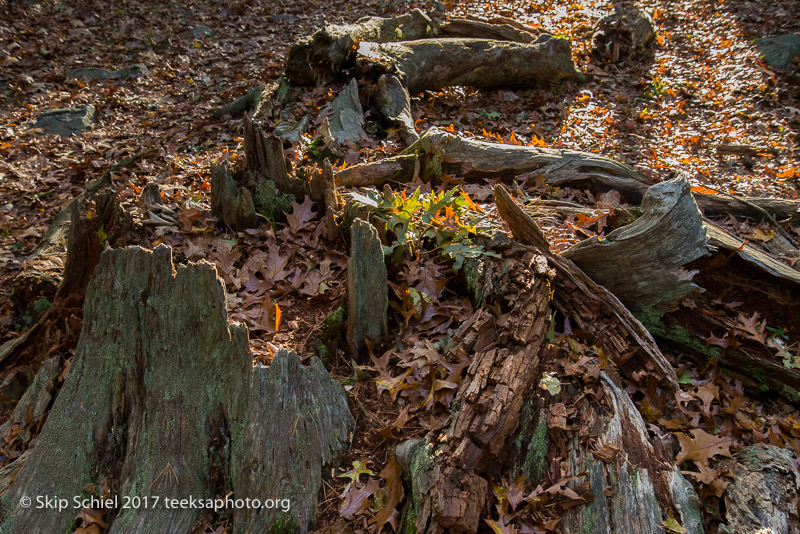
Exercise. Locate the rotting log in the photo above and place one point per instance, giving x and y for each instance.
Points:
(367, 290)
(488, 435)
(762, 497)
(742, 286)
(322, 56)
(162, 399)
(439, 152)
(480, 63)
(594, 308)
(450, 470)
(643, 263)
(634, 485)
(41, 273)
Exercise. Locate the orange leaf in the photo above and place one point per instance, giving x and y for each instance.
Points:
(704, 190)
(277, 316)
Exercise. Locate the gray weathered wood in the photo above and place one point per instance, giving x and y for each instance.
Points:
(594, 308)
(367, 291)
(625, 32)
(475, 62)
(161, 393)
(762, 496)
(636, 487)
(234, 203)
(642, 263)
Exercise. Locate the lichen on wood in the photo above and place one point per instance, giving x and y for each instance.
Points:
(162, 399)
(367, 290)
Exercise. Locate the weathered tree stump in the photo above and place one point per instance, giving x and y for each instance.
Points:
(110, 225)
(623, 33)
(367, 291)
(594, 308)
(642, 263)
(163, 400)
(449, 471)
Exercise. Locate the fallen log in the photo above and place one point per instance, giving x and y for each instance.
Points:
(439, 152)
(480, 63)
(594, 308)
(163, 401)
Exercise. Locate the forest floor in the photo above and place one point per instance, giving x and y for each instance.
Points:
(700, 86)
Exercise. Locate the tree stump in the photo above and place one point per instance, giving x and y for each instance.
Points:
(623, 33)
(367, 291)
(162, 400)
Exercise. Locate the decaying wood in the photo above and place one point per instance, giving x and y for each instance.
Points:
(450, 469)
(595, 309)
(438, 151)
(762, 497)
(498, 30)
(233, 202)
(325, 54)
(394, 103)
(367, 291)
(41, 273)
(643, 263)
(738, 281)
(163, 399)
(633, 483)
(475, 62)
(623, 33)
(110, 225)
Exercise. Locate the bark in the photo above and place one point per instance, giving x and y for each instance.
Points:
(449, 470)
(635, 486)
(163, 400)
(763, 494)
(367, 291)
(497, 30)
(591, 306)
(642, 263)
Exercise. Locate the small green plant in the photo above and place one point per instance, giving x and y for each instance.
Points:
(433, 224)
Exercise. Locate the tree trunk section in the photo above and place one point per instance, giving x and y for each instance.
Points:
(162, 400)
(450, 470)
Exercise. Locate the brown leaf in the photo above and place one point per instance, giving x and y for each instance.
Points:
(393, 475)
(357, 499)
(301, 215)
(701, 446)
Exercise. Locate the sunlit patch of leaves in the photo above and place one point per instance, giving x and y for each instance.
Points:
(431, 225)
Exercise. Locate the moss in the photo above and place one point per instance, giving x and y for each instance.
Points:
(668, 329)
(271, 202)
(332, 336)
(283, 525)
(536, 458)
